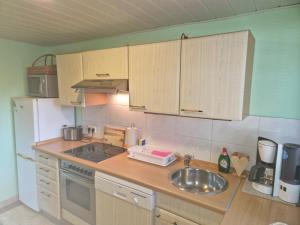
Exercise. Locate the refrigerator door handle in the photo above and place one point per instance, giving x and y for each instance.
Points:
(24, 157)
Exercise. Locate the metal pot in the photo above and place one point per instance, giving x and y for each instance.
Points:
(72, 133)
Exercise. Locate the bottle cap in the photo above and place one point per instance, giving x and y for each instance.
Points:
(224, 151)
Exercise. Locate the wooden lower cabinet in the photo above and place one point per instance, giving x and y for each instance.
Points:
(115, 211)
(48, 184)
(164, 217)
(175, 211)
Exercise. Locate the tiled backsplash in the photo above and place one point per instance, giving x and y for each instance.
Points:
(203, 138)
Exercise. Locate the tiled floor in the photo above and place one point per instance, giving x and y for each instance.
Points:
(21, 215)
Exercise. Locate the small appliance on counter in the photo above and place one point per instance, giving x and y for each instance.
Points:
(72, 133)
(265, 174)
(290, 173)
(151, 154)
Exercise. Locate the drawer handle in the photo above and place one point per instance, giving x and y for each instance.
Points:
(45, 182)
(102, 74)
(43, 157)
(138, 107)
(191, 110)
(120, 195)
(174, 223)
(45, 170)
(75, 103)
(157, 216)
(43, 193)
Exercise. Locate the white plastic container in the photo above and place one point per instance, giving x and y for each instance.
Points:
(267, 151)
(146, 153)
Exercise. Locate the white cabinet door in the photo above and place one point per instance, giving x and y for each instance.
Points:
(27, 182)
(106, 64)
(154, 74)
(69, 72)
(216, 76)
(114, 211)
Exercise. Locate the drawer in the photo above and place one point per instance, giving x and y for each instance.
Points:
(48, 184)
(46, 159)
(47, 171)
(164, 217)
(49, 203)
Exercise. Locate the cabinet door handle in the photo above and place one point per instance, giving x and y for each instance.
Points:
(138, 107)
(43, 157)
(48, 195)
(174, 223)
(46, 170)
(75, 103)
(191, 110)
(45, 182)
(102, 74)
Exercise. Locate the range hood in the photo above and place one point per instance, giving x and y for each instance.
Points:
(103, 86)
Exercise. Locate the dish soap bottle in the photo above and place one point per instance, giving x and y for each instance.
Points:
(224, 161)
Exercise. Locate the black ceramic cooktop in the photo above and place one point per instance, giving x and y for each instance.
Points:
(95, 152)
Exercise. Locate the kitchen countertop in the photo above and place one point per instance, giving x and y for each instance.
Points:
(248, 209)
(148, 175)
(239, 208)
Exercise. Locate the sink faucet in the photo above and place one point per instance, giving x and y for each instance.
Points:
(187, 159)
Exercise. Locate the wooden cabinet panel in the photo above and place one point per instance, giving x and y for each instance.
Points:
(106, 64)
(189, 211)
(49, 203)
(164, 217)
(69, 72)
(216, 76)
(154, 74)
(114, 211)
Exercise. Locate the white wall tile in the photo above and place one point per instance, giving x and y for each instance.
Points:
(243, 132)
(162, 124)
(217, 148)
(199, 148)
(193, 127)
(279, 129)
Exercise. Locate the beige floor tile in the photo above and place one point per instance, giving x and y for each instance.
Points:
(22, 215)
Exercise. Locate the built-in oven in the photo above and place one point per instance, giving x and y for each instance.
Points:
(43, 85)
(77, 193)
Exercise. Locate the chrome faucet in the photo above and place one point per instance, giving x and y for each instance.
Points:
(187, 159)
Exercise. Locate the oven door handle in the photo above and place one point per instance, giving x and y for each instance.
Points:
(77, 178)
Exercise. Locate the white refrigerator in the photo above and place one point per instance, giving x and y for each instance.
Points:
(35, 119)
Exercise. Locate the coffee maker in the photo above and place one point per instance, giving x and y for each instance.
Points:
(290, 173)
(265, 174)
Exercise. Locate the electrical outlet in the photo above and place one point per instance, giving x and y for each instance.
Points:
(92, 129)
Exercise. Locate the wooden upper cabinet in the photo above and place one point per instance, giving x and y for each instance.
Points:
(216, 76)
(106, 64)
(69, 72)
(154, 76)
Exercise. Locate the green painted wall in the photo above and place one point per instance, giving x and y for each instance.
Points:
(276, 75)
(14, 58)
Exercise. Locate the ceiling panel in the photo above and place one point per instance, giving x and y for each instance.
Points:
(266, 4)
(242, 6)
(219, 8)
(52, 22)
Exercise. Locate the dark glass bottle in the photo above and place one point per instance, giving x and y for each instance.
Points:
(224, 161)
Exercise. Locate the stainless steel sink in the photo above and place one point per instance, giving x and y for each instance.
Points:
(198, 181)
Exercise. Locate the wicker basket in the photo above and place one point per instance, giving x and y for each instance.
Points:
(45, 69)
